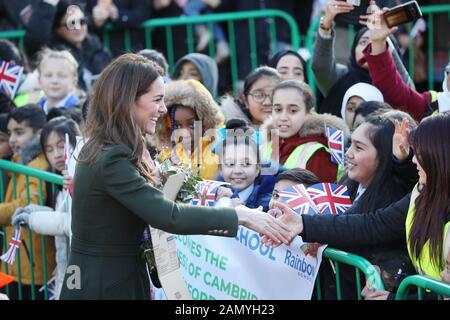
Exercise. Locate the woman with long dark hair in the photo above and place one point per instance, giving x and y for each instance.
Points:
(113, 194)
(424, 215)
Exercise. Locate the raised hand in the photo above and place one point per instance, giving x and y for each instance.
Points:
(290, 218)
(379, 31)
(274, 229)
(332, 9)
(400, 140)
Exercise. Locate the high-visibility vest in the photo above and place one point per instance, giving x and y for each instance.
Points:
(28, 97)
(301, 155)
(423, 263)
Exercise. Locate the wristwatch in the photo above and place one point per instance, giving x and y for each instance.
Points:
(322, 25)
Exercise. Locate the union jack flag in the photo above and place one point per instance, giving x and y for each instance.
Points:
(336, 145)
(206, 193)
(14, 244)
(51, 288)
(330, 198)
(9, 78)
(298, 199)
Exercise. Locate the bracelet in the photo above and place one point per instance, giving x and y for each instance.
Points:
(322, 25)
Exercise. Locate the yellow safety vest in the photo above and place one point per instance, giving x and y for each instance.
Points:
(423, 263)
(300, 157)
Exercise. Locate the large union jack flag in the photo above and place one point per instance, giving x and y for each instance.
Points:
(298, 199)
(330, 198)
(336, 145)
(9, 78)
(206, 193)
(14, 245)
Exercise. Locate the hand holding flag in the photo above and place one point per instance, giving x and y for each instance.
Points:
(336, 145)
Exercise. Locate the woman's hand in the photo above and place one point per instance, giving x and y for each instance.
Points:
(274, 229)
(67, 179)
(379, 31)
(290, 218)
(332, 9)
(400, 140)
(100, 14)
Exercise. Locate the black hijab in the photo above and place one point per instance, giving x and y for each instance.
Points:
(333, 101)
(280, 54)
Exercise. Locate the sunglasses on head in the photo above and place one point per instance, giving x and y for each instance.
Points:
(71, 24)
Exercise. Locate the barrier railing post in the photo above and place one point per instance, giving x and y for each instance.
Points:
(422, 283)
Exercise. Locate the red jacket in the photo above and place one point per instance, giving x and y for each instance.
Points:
(387, 79)
(320, 163)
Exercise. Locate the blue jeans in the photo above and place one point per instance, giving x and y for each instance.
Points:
(193, 9)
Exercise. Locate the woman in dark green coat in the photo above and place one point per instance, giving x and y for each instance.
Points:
(113, 196)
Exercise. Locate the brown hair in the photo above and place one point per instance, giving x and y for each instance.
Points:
(110, 118)
(302, 88)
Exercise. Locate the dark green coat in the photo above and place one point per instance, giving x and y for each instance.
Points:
(112, 204)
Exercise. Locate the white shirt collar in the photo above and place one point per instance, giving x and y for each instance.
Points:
(244, 194)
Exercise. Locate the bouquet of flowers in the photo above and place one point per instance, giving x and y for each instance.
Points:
(188, 190)
(185, 195)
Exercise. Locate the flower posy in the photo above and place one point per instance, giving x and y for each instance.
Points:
(187, 190)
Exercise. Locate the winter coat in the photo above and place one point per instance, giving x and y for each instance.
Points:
(262, 192)
(334, 79)
(386, 77)
(206, 66)
(56, 223)
(232, 109)
(33, 157)
(314, 130)
(192, 94)
(112, 204)
(10, 13)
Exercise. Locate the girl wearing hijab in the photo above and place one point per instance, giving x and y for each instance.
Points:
(354, 96)
(290, 65)
(334, 79)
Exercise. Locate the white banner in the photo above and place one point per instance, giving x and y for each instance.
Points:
(242, 268)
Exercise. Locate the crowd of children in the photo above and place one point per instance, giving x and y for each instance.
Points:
(222, 138)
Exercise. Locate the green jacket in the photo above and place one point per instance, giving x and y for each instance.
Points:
(112, 204)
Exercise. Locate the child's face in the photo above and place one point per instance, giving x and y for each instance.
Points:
(280, 186)
(56, 78)
(20, 134)
(239, 166)
(184, 126)
(260, 108)
(362, 157)
(54, 151)
(5, 148)
(289, 112)
(189, 71)
(350, 108)
(290, 67)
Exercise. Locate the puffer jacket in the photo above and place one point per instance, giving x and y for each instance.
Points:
(33, 157)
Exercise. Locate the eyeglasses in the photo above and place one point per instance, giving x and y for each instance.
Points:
(259, 96)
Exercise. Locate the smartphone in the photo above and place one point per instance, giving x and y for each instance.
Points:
(352, 17)
(403, 13)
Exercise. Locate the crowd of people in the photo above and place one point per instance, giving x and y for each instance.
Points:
(134, 116)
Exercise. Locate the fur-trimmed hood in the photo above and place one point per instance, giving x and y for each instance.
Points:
(30, 151)
(192, 94)
(232, 110)
(315, 126)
